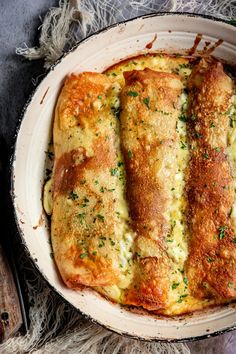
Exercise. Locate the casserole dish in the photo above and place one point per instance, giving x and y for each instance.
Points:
(174, 33)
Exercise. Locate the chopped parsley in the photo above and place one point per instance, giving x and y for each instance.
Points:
(205, 155)
(234, 240)
(94, 253)
(217, 149)
(100, 97)
(183, 145)
(73, 195)
(115, 172)
(81, 217)
(185, 280)
(181, 298)
(101, 217)
(102, 190)
(181, 271)
(183, 66)
(146, 101)
(210, 260)
(174, 285)
(197, 135)
(101, 242)
(183, 118)
(222, 232)
(132, 93)
(212, 125)
(130, 154)
(83, 255)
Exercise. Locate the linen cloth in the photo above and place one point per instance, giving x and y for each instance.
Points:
(56, 327)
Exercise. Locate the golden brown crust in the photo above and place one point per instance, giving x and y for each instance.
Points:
(209, 97)
(150, 284)
(211, 265)
(148, 120)
(85, 226)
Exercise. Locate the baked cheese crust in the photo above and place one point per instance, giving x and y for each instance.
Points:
(142, 194)
(211, 265)
(86, 227)
(149, 112)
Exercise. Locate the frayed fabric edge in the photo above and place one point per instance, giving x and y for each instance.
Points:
(73, 20)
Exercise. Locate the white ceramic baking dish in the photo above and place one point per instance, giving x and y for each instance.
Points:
(96, 53)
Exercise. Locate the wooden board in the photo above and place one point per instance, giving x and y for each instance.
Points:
(10, 311)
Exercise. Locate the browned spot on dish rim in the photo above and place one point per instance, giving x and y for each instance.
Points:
(195, 44)
(150, 44)
(215, 45)
(44, 95)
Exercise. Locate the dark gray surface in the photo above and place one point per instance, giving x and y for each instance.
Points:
(19, 22)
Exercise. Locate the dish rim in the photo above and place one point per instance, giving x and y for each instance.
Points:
(11, 178)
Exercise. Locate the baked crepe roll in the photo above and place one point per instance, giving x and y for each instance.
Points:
(211, 265)
(87, 222)
(149, 112)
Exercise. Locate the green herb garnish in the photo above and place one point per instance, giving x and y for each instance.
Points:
(205, 155)
(222, 232)
(115, 172)
(181, 298)
(73, 195)
(198, 135)
(183, 118)
(174, 285)
(185, 280)
(81, 217)
(130, 154)
(101, 217)
(132, 93)
(146, 101)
